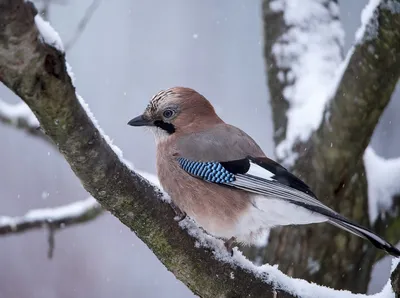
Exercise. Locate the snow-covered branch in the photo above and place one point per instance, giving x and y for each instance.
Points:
(56, 218)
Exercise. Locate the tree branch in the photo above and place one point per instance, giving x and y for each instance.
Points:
(38, 73)
(82, 24)
(57, 218)
(364, 90)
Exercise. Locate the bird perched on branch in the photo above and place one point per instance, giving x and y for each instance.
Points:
(218, 175)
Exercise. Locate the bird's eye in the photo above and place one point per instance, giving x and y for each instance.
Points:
(168, 113)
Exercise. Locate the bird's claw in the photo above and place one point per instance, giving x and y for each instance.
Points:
(229, 245)
(180, 215)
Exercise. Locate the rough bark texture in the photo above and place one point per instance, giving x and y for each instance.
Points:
(331, 160)
(37, 73)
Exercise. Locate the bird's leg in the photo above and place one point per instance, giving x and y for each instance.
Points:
(180, 215)
(229, 245)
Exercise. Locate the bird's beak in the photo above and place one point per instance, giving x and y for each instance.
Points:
(140, 121)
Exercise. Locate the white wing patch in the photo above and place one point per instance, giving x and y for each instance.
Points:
(256, 170)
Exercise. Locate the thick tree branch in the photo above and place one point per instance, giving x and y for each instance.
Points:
(363, 92)
(327, 153)
(56, 218)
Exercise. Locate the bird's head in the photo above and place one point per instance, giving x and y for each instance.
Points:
(176, 110)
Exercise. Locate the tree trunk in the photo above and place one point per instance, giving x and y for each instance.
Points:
(331, 161)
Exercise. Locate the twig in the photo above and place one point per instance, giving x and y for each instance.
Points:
(82, 24)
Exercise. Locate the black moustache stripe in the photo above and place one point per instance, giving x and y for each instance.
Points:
(168, 127)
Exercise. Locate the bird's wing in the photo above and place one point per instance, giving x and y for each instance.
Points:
(265, 177)
(222, 142)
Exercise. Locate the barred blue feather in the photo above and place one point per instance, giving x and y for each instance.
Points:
(209, 171)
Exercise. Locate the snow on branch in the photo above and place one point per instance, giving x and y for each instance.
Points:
(383, 184)
(197, 259)
(58, 217)
(306, 56)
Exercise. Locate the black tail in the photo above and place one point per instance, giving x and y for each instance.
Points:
(366, 234)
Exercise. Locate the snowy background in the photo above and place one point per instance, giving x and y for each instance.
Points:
(128, 52)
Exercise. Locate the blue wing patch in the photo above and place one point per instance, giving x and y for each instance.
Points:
(210, 171)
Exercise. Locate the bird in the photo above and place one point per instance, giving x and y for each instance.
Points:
(216, 174)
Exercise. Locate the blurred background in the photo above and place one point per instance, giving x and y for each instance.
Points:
(129, 50)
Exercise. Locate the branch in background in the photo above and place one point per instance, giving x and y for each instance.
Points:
(20, 116)
(199, 260)
(57, 218)
(323, 123)
(51, 218)
(82, 24)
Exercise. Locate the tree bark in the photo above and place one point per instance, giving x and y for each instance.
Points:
(331, 160)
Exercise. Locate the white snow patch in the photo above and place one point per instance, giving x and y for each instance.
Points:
(310, 51)
(271, 274)
(48, 34)
(18, 112)
(383, 177)
(368, 26)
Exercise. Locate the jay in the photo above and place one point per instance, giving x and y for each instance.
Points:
(218, 175)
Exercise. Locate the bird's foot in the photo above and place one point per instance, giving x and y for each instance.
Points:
(229, 245)
(180, 215)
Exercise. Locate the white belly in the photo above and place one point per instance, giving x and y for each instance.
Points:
(269, 213)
